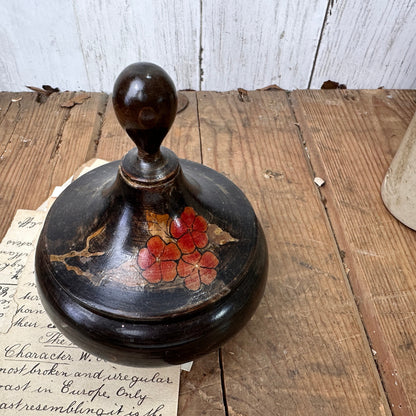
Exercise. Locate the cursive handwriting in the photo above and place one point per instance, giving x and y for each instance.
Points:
(19, 351)
(67, 388)
(54, 338)
(74, 407)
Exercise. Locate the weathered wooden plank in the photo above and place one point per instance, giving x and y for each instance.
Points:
(114, 34)
(352, 137)
(368, 45)
(305, 351)
(43, 145)
(40, 45)
(254, 44)
(79, 138)
(200, 390)
(31, 136)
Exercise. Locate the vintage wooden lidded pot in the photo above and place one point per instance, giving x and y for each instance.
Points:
(152, 260)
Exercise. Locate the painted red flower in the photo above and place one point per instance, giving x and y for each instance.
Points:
(190, 231)
(157, 260)
(196, 269)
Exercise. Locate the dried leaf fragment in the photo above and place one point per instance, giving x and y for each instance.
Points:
(45, 90)
(78, 99)
(243, 95)
(268, 173)
(271, 87)
(333, 85)
(50, 89)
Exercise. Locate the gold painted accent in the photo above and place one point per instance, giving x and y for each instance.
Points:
(61, 258)
(218, 236)
(159, 224)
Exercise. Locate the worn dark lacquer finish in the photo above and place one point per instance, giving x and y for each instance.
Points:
(151, 260)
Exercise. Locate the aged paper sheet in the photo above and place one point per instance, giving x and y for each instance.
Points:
(15, 248)
(41, 372)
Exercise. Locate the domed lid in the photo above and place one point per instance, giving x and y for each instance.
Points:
(152, 238)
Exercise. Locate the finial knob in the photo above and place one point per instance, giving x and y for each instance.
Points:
(145, 103)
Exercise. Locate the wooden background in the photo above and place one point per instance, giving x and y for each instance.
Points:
(335, 333)
(209, 44)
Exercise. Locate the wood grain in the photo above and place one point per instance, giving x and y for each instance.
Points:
(42, 145)
(40, 45)
(200, 390)
(81, 131)
(163, 32)
(209, 44)
(368, 45)
(253, 45)
(305, 351)
(352, 137)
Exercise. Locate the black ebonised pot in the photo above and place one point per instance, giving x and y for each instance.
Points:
(152, 260)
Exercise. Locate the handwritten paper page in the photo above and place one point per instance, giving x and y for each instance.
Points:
(15, 248)
(42, 373)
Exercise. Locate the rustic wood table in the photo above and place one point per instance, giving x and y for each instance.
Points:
(335, 333)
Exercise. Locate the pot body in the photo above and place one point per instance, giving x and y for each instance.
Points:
(151, 276)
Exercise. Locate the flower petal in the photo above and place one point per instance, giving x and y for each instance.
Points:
(171, 252)
(200, 224)
(209, 260)
(200, 239)
(168, 270)
(192, 258)
(156, 245)
(188, 216)
(207, 275)
(185, 269)
(192, 282)
(153, 273)
(177, 228)
(145, 258)
(186, 244)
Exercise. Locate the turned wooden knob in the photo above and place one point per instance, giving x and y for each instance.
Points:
(145, 103)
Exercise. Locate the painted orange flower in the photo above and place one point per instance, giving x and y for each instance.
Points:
(190, 231)
(197, 268)
(157, 260)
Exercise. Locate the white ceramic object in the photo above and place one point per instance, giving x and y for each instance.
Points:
(398, 189)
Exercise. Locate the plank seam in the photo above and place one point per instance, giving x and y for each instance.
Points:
(318, 46)
(199, 129)
(201, 49)
(58, 141)
(224, 393)
(95, 141)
